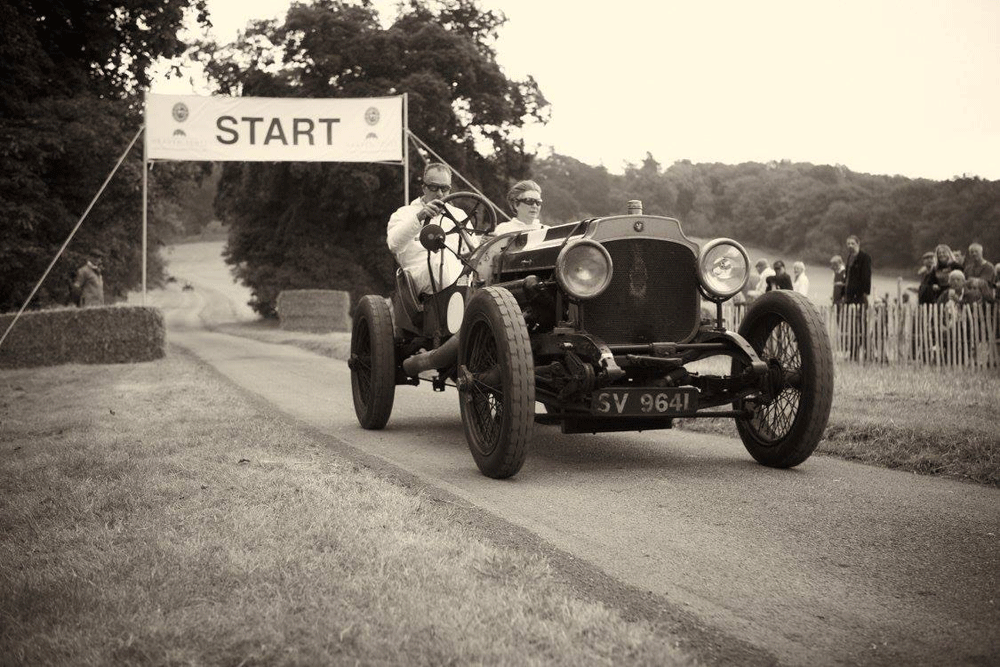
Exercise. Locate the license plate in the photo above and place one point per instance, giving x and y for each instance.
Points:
(644, 401)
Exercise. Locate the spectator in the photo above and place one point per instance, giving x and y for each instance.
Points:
(858, 284)
(926, 292)
(763, 273)
(89, 283)
(944, 264)
(979, 272)
(857, 287)
(839, 278)
(959, 291)
(800, 283)
(959, 258)
(780, 279)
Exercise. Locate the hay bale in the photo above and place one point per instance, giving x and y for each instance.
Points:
(314, 310)
(104, 335)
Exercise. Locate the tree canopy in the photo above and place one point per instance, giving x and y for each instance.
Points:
(69, 106)
(801, 209)
(296, 225)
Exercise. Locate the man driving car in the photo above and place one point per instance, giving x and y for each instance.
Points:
(441, 268)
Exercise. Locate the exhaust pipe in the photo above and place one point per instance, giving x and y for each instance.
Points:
(441, 357)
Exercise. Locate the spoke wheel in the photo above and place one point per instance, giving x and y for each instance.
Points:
(497, 382)
(373, 362)
(788, 333)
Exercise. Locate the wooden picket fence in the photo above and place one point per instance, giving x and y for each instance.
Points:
(943, 336)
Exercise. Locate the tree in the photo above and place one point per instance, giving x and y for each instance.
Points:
(71, 73)
(323, 225)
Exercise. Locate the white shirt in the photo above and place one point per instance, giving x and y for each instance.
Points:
(516, 225)
(762, 283)
(801, 284)
(403, 239)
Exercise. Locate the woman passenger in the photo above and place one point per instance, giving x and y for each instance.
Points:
(525, 200)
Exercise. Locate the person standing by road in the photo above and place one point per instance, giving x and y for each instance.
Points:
(800, 281)
(839, 278)
(780, 279)
(858, 281)
(857, 287)
(764, 271)
(979, 273)
(89, 283)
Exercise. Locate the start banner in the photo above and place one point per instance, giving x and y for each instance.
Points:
(274, 129)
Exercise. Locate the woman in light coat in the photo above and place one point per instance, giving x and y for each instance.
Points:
(800, 281)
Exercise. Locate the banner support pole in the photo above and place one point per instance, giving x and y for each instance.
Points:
(70, 237)
(406, 150)
(145, 203)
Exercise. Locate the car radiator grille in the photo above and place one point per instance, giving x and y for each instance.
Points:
(653, 295)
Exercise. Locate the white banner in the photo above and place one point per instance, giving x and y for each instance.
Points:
(274, 129)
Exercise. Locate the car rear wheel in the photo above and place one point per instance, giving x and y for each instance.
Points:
(496, 382)
(372, 362)
(788, 333)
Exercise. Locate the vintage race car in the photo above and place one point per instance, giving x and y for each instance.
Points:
(592, 326)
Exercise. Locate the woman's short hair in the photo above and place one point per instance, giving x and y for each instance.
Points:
(799, 265)
(519, 189)
(957, 273)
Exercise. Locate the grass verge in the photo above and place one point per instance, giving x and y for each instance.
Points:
(927, 421)
(922, 420)
(154, 515)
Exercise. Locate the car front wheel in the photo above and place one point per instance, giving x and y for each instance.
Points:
(788, 334)
(373, 362)
(496, 382)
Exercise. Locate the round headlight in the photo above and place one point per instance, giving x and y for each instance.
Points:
(724, 268)
(583, 269)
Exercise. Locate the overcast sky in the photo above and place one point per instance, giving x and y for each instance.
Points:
(909, 87)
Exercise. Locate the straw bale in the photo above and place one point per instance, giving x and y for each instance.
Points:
(314, 310)
(105, 335)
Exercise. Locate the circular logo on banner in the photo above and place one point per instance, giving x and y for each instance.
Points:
(180, 112)
(372, 116)
(638, 226)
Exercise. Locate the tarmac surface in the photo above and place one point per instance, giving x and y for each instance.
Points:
(832, 562)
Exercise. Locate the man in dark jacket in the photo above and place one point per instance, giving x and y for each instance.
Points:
(859, 273)
(857, 287)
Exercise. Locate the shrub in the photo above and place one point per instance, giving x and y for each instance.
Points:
(107, 335)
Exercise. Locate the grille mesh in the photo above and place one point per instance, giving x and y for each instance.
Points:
(653, 295)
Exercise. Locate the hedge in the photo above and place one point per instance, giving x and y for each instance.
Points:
(315, 310)
(104, 335)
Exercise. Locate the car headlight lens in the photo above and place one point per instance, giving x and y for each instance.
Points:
(583, 269)
(724, 268)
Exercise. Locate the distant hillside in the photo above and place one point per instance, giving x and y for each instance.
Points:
(804, 211)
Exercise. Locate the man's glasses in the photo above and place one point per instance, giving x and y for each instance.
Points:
(440, 189)
(529, 201)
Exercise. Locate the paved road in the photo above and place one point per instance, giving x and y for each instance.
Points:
(829, 563)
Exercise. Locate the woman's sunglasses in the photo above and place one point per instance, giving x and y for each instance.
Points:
(441, 189)
(529, 201)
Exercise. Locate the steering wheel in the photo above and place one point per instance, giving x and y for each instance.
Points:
(480, 217)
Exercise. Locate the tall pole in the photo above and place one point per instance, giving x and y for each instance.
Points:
(145, 178)
(70, 237)
(406, 152)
